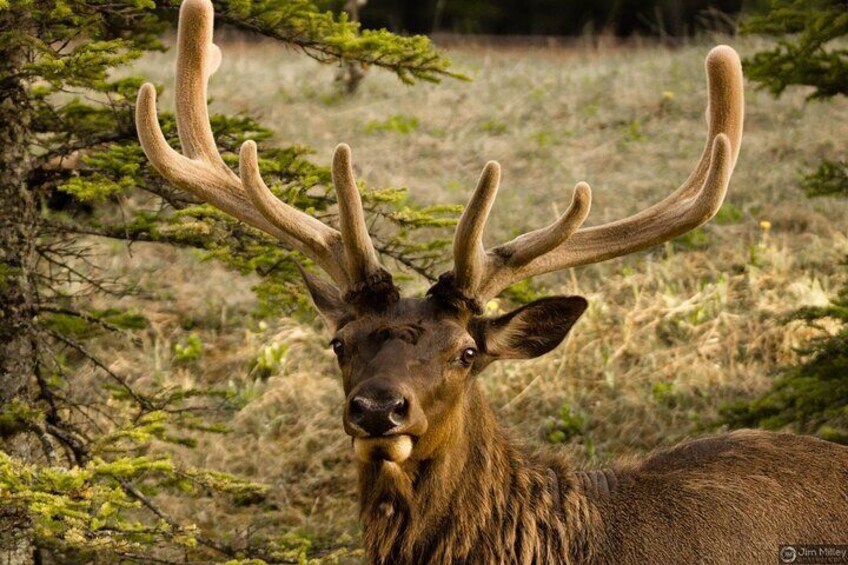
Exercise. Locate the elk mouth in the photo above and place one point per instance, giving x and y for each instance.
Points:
(394, 448)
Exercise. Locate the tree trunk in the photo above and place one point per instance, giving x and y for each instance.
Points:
(18, 229)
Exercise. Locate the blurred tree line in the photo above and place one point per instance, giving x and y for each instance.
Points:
(674, 18)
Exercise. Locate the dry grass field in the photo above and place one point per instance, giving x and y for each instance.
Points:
(671, 333)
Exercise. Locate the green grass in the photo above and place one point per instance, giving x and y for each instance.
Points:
(671, 334)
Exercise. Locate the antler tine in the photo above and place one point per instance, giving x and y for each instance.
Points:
(527, 247)
(725, 113)
(222, 191)
(362, 263)
(561, 245)
(309, 235)
(197, 59)
(348, 259)
(469, 255)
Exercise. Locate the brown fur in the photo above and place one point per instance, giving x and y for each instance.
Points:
(470, 494)
(726, 499)
(480, 501)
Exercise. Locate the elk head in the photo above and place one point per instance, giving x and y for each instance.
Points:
(407, 363)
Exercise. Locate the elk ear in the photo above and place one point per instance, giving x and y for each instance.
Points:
(532, 330)
(327, 300)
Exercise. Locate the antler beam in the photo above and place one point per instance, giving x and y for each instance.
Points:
(481, 274)
(348, 255)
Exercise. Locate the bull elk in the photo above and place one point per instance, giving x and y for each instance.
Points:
(440, 481)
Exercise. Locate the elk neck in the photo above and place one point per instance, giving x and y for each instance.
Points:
(443, 509)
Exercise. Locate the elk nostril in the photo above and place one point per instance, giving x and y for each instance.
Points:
(358, 405)
(359, 410)
(398, 411)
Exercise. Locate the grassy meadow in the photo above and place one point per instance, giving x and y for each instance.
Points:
(671, 333)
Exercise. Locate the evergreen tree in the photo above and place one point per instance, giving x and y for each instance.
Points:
(78, 475)
(812, 396)
(808, 53)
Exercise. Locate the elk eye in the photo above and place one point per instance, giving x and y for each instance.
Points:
(468, 356)
(338, 347)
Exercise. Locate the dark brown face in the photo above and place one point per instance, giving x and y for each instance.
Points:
(403, 372)
(406, 369)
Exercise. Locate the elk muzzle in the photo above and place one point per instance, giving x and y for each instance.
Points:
(383, 419)
(378, 416)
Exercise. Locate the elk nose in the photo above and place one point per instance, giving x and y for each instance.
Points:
(376, 416)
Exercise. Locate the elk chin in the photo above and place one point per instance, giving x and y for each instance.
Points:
(395, 449)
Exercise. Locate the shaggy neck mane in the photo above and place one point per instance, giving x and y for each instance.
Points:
(446, 509)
